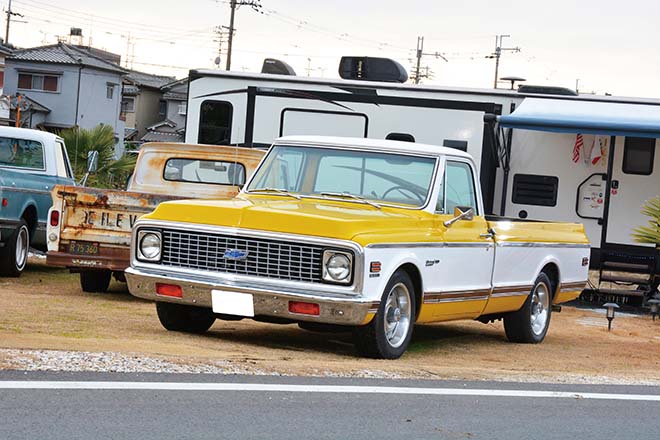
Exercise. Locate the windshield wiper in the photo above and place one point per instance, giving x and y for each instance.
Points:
(346, 195)
(275, 190)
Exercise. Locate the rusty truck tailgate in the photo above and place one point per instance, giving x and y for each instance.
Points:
(102, 216)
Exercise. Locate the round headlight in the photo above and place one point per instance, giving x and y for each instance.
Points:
(338, 267)
(150, 246)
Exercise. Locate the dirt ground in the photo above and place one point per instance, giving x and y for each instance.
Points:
(46, 310)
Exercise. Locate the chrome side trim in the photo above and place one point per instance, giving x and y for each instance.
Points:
(453, 300)
(455, 296)
(23, 190)
(572, 286)
(476, 295)
(223, 278)
(542, 245)
(431, 245)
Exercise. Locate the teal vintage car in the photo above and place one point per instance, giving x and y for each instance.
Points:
(31, 163)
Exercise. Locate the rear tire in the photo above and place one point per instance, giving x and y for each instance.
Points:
(388, 334)
(184, 318)
(529, 325)
(95, 281)
(14, 256)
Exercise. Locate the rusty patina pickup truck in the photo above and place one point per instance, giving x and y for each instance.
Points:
(89, 229)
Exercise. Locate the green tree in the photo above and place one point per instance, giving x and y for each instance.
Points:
(111, 173)
(650, 233)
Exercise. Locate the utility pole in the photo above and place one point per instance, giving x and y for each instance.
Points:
(234, 4)
(498, 53)
(9, 13)
(418, 66)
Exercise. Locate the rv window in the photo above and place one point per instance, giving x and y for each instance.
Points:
(531, 189)
(215, 123)
(404, 137)
(638, 154)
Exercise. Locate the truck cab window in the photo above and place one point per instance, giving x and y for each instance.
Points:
(21, 153)
(215, 123)
(61, 161)
(459, 187)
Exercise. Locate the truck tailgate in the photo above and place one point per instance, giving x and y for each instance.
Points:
(102, 216)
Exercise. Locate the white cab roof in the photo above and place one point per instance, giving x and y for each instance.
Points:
(372, 144)
(25, 133)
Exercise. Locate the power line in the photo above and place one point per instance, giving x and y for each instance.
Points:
(234, 4)
(498, 53)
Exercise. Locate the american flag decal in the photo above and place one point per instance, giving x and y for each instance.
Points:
(579, 145)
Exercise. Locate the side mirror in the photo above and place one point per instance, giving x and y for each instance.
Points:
(460, 213)
(92, 161)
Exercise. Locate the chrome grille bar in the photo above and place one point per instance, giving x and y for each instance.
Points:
(265, 257)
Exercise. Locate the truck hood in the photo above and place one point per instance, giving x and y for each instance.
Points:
(321, 218)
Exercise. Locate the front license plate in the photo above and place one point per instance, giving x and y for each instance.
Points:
(232, 303)
(83, 248)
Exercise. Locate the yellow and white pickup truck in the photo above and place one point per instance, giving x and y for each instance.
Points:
(371, 235)
(89, 229)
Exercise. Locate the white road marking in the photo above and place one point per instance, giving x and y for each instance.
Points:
(340, 389)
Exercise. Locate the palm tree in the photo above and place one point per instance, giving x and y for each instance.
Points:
(650, 233)
(111, 172)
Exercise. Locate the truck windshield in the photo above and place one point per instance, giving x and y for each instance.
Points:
(352, 175)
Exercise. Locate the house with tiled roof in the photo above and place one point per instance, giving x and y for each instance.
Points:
(172, 124)
(73, 86)
(142, 102)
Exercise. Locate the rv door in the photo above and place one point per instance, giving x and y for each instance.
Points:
(635, 179)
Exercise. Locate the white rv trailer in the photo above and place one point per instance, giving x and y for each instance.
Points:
(526, 170)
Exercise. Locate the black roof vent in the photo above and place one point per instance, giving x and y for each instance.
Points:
(372, 69)
(277, 67)
(546, 90)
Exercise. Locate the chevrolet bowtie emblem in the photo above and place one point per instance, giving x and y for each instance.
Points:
(235, 254)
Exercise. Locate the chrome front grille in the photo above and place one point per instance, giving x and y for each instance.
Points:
(265, 257)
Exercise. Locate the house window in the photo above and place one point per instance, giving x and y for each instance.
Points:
(21, 153)
(532, 189)
(109, 91)
(128, 105)
(162, 109)
(30, 81)
(215, 123)
(638, 155)
(183, 108)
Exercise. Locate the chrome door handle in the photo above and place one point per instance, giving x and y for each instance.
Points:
(487, 235)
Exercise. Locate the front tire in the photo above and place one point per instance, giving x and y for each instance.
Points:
(184, 318)
(95, 281)
(529, 325)
(14, 257)
(388, 334)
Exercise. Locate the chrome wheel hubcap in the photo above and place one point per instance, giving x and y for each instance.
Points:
(540, 308)
(22, 245)
(397, 315)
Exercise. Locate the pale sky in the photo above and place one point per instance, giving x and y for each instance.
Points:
(611, 46)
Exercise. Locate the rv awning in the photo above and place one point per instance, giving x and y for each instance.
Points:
(587, 117)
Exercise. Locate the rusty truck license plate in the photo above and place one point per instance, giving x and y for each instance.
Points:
(83, 248)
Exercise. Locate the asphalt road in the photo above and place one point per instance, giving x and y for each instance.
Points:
(159, 406)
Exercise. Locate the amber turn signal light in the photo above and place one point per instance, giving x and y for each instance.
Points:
(304, 308)
(169, 290)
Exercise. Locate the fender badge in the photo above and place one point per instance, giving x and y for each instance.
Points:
(235, 254)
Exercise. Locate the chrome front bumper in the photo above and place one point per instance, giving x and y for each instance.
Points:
(268, 302)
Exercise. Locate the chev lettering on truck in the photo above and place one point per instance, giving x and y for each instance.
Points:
(369, 235)
(92, 230)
